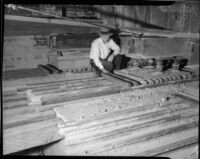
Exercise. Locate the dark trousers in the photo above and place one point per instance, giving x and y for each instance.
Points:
(116, 64)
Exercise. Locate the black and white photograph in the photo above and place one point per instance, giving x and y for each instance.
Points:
(101, 79)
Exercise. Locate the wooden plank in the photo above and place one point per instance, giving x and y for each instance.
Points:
(18, 111)
(52, 70)
(65, 85)
(73, 88)
(49, 88)
(43, 69)
(133, 82)
(131, 150)
(120, 81)
(129, 138)
(148, 136)
(47, 68)
(15, 104)
(9, 93)
(131, 119)
(39, 84)
(188, 96)
(46, 20)
(21, 72)
(80, 94)
(55, 69)
(122, 73)
(23, 76)
(24, 119)
(117, 132)
(169, 147)
(124, 113)
(16, 97)
(28, 136)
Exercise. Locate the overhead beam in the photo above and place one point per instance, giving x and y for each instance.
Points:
(46, 20)
(134, 32)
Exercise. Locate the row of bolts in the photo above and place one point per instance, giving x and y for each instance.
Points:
(131, 63)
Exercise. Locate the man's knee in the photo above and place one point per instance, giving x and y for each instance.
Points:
(118, 58)
(107, 65)
(117, 61)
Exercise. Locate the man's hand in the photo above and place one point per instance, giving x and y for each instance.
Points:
(111, 57)
(104, 70)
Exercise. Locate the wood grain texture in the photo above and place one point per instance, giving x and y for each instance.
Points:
(28, 136)
(169, 147)
(24, 119)
(15, 104)
(80, 94)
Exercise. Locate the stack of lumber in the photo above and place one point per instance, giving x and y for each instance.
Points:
(23, 73)
(16, 83)
(141, 130)
(24, 126)
(69, 90)
(28, 116)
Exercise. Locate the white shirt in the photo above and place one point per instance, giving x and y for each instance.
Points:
(101, 50)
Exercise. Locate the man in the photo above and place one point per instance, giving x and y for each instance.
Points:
(104, 54)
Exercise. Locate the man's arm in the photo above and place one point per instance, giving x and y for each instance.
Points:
(95, 55)
(115, 48)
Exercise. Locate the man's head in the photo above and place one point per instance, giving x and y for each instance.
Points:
(105, 35)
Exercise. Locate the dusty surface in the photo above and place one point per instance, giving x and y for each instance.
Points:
(102, 105)
(90, 109)
(49, 78)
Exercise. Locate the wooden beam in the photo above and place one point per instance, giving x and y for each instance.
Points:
(18, 111)
(138, 32)
(46, 20)
(39, 84)
(66, 84)
(73, 88)
(133, 82)
(24, 119)
(15, 104)
(124, 130)
(80, 94)
(130, 117)
(121, 114)
(145, 137)
(43, 69)
(170, 147)
(121, 81)
(188, 96)
(28, 136)
(12, 98)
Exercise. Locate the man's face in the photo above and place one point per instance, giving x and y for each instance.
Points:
(105, 38)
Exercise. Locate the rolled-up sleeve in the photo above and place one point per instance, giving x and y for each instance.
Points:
(95, 55)
(114, 47)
